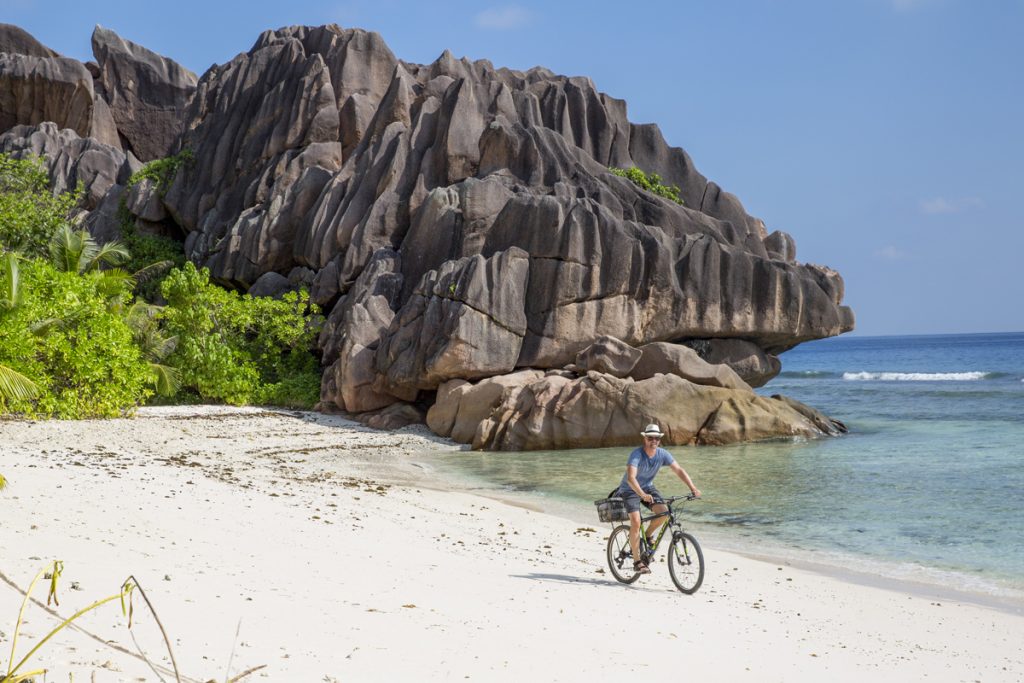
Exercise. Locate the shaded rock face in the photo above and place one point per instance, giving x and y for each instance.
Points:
(146, 93)
(70, 159)
(458, 224)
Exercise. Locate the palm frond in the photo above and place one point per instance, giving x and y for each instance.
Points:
(166, 380)
(11, 294)
(112, 253)
(113, 282)
(152, 271)
(16, 386)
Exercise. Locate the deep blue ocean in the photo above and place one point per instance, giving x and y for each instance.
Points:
(928, 486)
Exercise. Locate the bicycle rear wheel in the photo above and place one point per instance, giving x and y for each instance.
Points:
(685, 562)
(620, 555)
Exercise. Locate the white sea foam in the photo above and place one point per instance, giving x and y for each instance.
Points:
(916, 376)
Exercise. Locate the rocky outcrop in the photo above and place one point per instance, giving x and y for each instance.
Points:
(682, 361)
(747, 359)
(71, 160)
(599, 410)
(16, 41)
(458, 224)
(146, 93)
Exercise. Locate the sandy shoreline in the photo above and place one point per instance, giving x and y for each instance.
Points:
(334, 556)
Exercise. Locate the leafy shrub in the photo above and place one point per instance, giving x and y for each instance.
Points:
(650, 182)
(67, 336)
(238, 348)
(29, 213)
(162, 171)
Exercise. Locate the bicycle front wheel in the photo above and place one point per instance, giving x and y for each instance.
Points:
(620, 555)
(685, 562)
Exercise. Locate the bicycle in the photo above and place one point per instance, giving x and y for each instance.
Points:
(685, 559)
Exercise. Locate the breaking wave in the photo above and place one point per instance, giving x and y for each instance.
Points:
(918, 376)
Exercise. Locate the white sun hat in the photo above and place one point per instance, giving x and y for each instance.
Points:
(652, 430)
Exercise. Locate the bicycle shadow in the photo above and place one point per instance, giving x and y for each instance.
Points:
(568, 578)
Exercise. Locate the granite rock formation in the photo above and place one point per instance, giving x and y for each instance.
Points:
(458, 224)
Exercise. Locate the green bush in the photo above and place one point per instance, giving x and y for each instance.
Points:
(162, 171)
(650, 182)
(237, 348)
(29, 213)
(68, 338)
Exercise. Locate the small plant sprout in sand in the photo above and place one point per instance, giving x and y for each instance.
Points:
(55, 570)
(125, 595)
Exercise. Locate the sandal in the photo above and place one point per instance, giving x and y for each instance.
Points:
(641, 568)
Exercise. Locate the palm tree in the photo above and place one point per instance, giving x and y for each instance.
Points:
(13, 384)
(142, 318)
(75, 251)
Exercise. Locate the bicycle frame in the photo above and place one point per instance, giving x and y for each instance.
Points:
(672, 521)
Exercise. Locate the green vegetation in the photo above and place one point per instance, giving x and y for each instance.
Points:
(162, 171)
(29, 213)
(238, 348)
(650, 182)
(80, 336)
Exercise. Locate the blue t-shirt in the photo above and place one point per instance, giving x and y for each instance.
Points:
(646, 467)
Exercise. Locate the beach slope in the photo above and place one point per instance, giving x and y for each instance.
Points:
(321, 550)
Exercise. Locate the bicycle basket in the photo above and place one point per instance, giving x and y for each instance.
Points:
(611, 510)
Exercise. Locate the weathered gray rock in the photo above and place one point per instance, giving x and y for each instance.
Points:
(461, 407)
(682, 361)
(146, 93)
(38, 89)
(353, 332)
(393, 417)
(70, 159)
(144, 201)
(751, 363)
(263, 130)
(600, 410)
(754, 418)
(17, 41)
(465, 320)
(609, 356)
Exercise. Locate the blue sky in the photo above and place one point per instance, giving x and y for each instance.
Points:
(884, 135)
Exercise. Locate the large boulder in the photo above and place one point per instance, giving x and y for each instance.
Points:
(465, 320)
(353, 332)
(601, 410)
(17, 41)
(36, 89)
(682, 361)
(462, 406)
(608, 355)
(70, 159)
(146, 93)
(748, 360)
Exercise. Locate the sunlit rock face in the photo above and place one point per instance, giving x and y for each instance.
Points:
(457, 223)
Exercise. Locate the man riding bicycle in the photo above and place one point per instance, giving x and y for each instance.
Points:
(638, 486)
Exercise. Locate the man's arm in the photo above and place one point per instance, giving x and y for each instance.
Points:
(681, 473)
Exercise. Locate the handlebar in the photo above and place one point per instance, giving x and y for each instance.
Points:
(672, 499)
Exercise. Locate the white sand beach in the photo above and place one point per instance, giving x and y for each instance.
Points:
(319, 550)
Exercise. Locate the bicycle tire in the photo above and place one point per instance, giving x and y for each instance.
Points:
(686, 562)
(620, 556)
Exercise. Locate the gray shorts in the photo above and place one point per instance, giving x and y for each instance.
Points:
(633, 501)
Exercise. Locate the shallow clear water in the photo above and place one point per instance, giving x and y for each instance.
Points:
(928, 485)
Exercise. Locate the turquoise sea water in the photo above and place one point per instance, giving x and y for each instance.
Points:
(927, 486)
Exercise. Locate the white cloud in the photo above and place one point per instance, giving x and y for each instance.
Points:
(941, 205)
(503, 18)
(890, 253)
